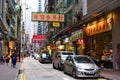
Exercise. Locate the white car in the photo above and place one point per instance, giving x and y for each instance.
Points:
(36, 56)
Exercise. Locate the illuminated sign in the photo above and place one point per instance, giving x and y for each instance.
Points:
(80, 41)
(36, 16)
(38, 38)
(36, 41)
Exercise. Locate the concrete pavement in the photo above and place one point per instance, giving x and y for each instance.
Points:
(7, 72)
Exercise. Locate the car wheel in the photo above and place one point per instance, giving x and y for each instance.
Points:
(54, 66)
(74, 73)
(64, 70)
(58, 67)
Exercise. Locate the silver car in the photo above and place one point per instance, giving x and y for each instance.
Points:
(59, 57)
(81, 66)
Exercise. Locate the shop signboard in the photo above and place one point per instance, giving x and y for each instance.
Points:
(56, 24)
(38, 38)
(37, 16)
(76, 35)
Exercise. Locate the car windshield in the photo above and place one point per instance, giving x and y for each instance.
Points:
(67, 53)
(44, 55)
(79, 59)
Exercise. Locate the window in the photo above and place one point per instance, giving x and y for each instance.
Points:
(83, 60)
(1, 8)
(67, 53)
(77, 1)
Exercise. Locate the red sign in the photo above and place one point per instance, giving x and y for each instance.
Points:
(42, 37)
(36, 41)
(38, 38)
(80, 41)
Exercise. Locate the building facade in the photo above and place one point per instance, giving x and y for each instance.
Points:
(92, 27)
(8, 27)
(100, 31)
(2, 26)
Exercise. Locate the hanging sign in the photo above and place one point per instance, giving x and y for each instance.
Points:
(37, 16)
(38, 38)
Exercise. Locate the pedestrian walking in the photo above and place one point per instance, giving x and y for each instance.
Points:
(2, 59)
(14, 59)
(7, 59)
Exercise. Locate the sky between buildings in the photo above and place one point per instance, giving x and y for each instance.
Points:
(33, 7)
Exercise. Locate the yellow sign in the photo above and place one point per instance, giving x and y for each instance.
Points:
(57, 24)
(11, 44)
(37, 16)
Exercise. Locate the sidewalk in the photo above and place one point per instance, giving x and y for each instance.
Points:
(110, 74)
(7, 72)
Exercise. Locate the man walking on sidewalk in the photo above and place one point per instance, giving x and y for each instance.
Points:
(14, 58)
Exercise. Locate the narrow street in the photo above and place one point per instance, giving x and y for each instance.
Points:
(34, 70)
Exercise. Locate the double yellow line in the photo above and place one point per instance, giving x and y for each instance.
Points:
(22, 74)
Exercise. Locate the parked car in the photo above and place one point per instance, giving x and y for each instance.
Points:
(81, 66)
(59, 57)
(45, 58)
(36, 56)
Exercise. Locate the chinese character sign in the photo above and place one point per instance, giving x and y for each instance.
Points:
(38, 38)
(42, 37)
(36, 16)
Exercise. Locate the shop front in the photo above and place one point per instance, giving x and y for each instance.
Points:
(98, 38)
(1, 37)
(11, 47)
(78, 42)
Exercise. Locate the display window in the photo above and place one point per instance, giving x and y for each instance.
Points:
(101, 44)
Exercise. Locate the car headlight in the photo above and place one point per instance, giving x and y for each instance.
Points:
(79, 68)
(97, 68)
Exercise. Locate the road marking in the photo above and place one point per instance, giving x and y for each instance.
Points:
(101, 79)
(22, 74)
(24, 77)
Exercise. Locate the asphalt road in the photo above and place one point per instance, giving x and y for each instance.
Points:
(32, 69)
